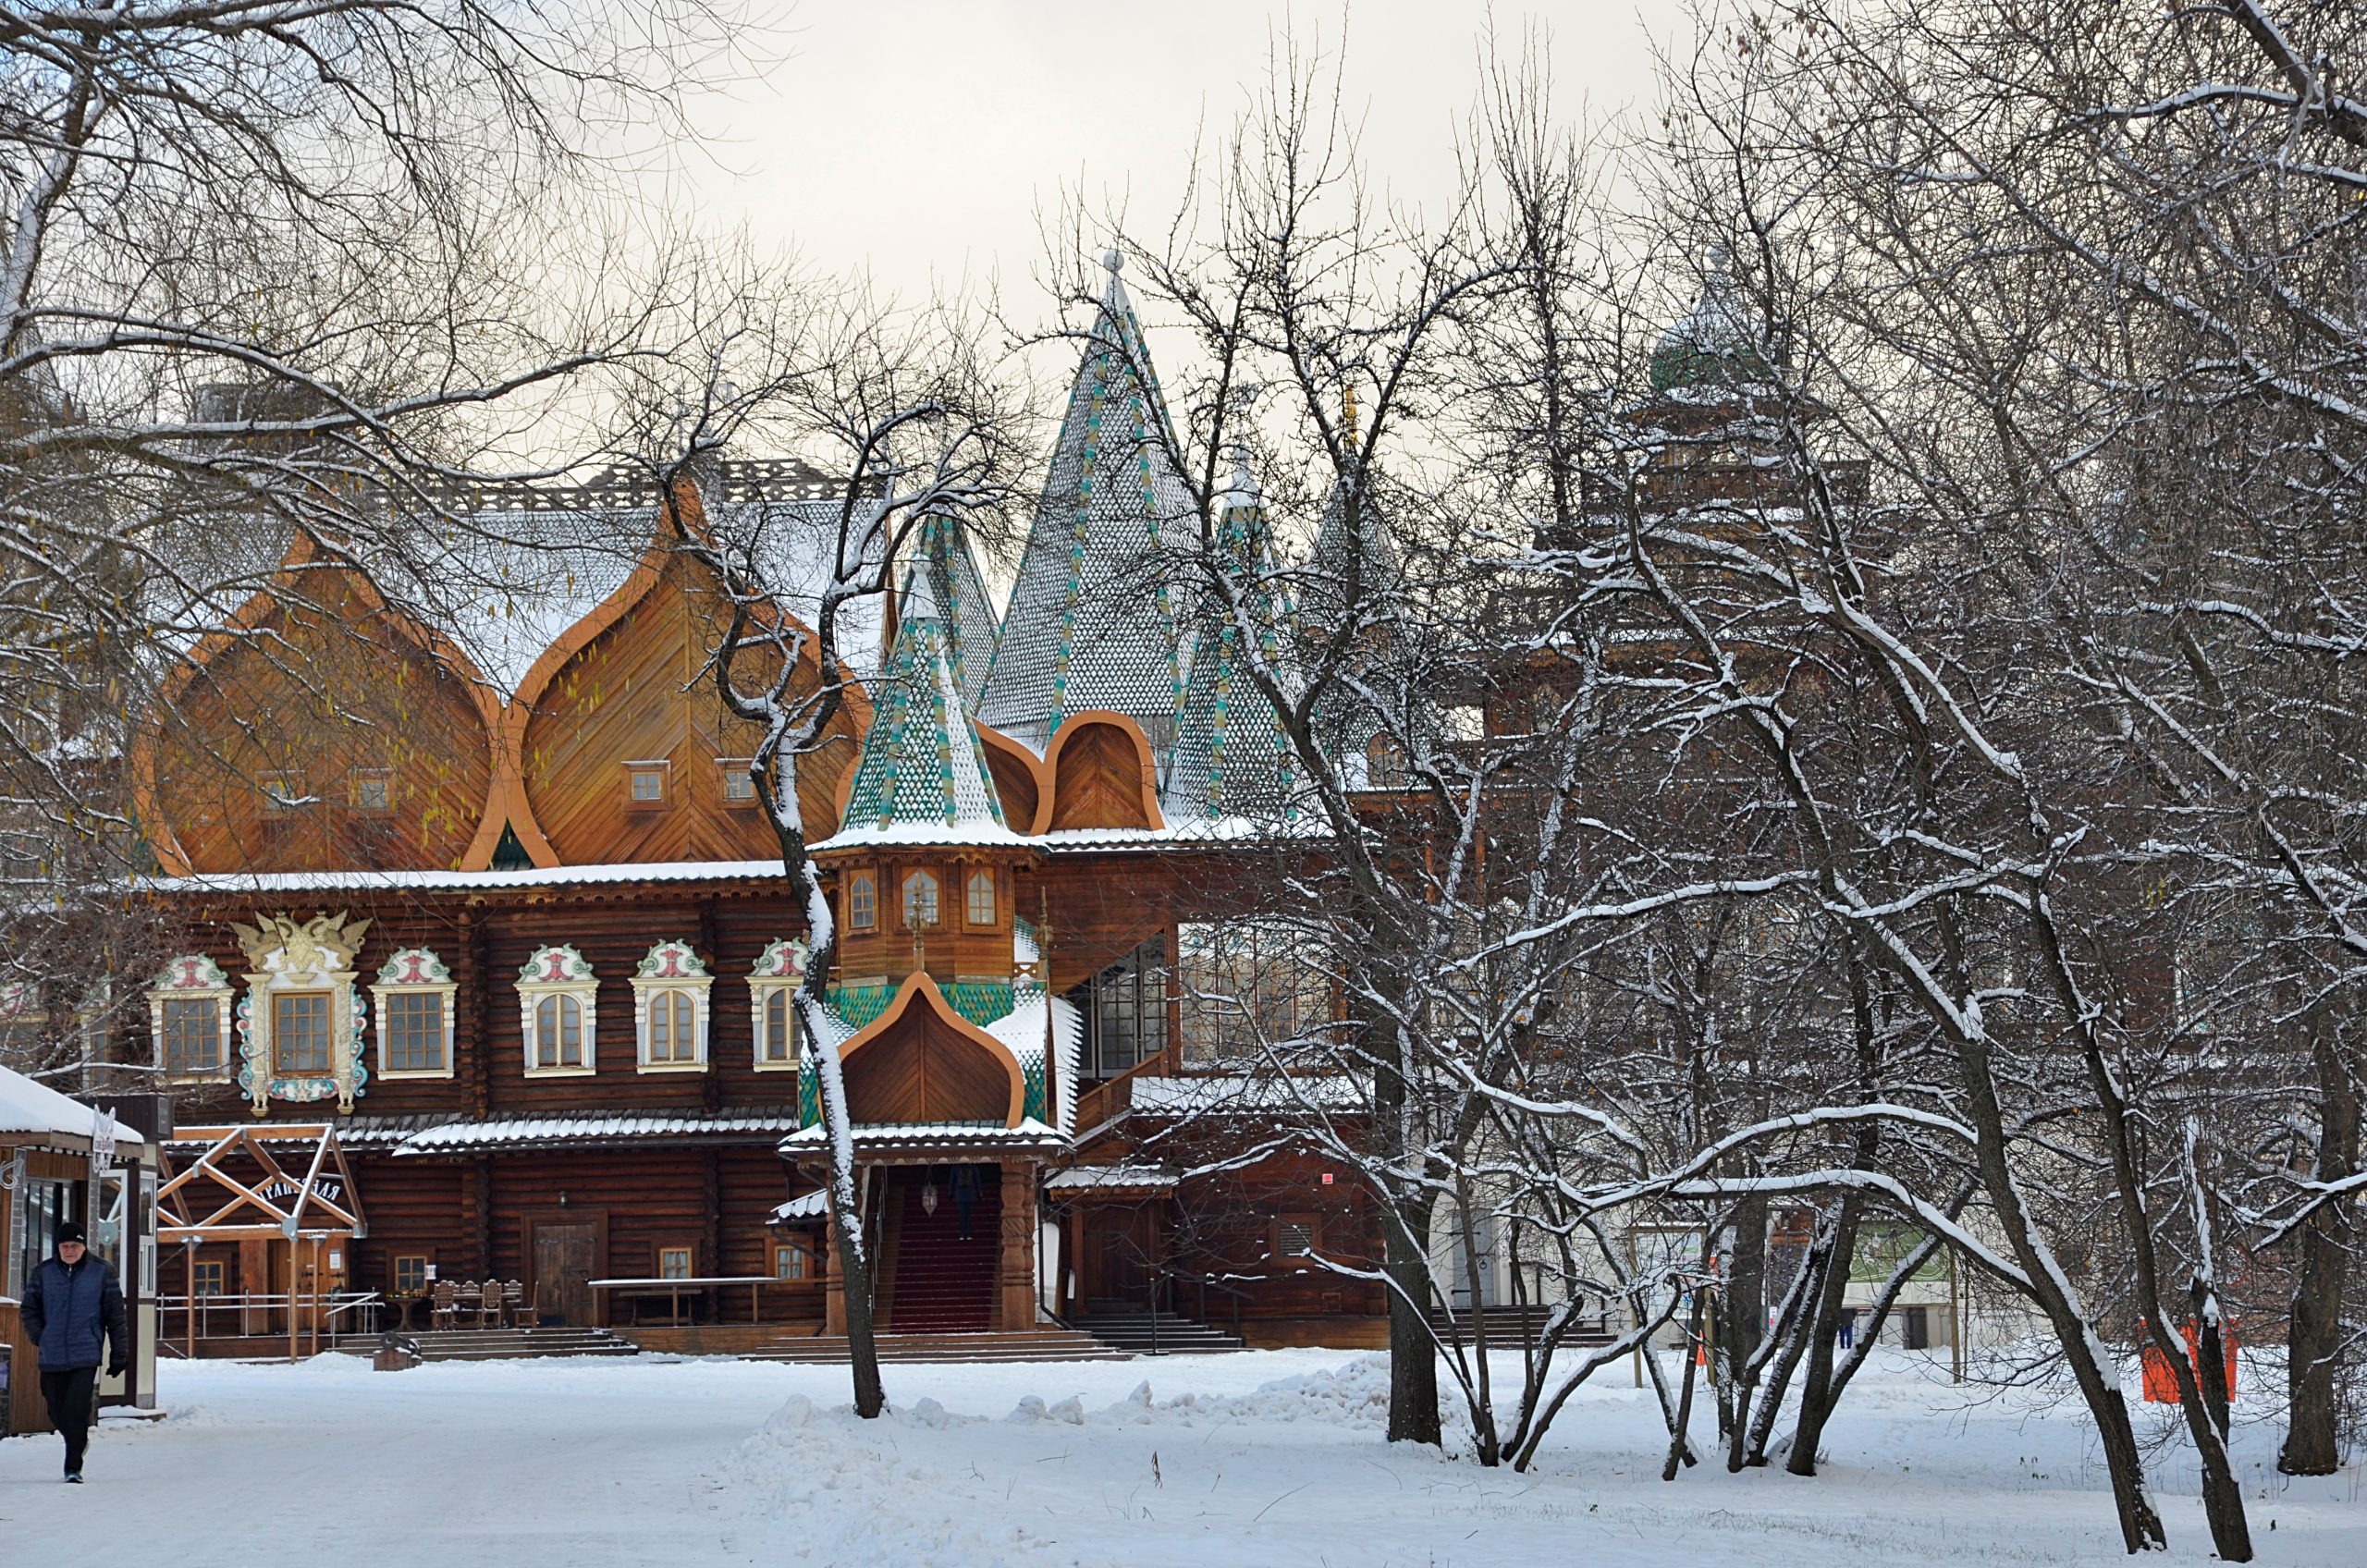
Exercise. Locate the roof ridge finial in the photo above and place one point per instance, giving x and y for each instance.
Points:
(1348, 410)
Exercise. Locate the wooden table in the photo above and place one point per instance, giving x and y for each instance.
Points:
(673, 1288)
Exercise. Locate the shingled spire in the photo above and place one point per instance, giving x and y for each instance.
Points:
(922, 766)
(1231, 757)
(1093, 622)
(941, 556)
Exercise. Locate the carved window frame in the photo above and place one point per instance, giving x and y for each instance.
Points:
(286, 959)
(558, 970)
(671, 969)
(413, 971)
(780, 972)
(192, 978)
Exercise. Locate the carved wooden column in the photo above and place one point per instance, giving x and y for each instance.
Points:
(1015, 1262)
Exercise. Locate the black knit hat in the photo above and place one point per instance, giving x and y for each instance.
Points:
(69, 1232)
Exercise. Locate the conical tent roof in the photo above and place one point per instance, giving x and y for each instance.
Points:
(1367, 551)
(923, 772)
(1721, 342)
(1093, 622)
(1231, 757)
(941, 555)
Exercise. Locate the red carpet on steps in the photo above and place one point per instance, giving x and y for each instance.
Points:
(945, 1285)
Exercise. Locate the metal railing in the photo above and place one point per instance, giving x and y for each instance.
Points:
(188, 1321)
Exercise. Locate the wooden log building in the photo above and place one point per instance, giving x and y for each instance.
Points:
(515, 944)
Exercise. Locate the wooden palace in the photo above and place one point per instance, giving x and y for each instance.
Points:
(486, 953)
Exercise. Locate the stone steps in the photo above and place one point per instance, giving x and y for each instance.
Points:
(500, 1344)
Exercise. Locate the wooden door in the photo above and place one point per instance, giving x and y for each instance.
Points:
(563, 1274)
(1118, 1256)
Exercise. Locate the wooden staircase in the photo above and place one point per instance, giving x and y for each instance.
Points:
(943, 1285)
(1509, 1327)
(1137, 1330)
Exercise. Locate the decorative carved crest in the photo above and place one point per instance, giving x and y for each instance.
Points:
(671, 960)
(559, 965)
(193, 972)
(415, 966)
(784, 960)
(322, 943)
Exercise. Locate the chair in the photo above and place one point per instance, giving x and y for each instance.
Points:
(445, 1310)
(489, 1304)
(513, 1297)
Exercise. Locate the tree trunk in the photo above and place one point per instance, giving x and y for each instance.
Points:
(1816, 1388)
(1680, 1437)
(2313, 1336)
(1412, 1350)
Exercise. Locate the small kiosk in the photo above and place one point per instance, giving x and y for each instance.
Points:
(61, 1162)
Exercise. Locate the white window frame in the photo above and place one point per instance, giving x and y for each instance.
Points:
(560, 970)
(671, 969)
(191, 977)
(413, 971)
(780, 969)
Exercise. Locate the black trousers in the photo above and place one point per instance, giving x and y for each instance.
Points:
(67, 1393)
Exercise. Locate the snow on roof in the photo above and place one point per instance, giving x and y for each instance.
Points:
(1195, 830)
(1098, 1178)
(471, 881)
(30, 1107)
(1030, 1132)
(815, 1204)
(1023, 1030)
(593, 1127)
(511, 584)
(1240, 1093)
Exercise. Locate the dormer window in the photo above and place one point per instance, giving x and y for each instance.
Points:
(920, 899)
(862, 902)
(981, 898)
(371, 789)
(646, 782)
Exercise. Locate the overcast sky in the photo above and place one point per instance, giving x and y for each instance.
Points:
(921, 138)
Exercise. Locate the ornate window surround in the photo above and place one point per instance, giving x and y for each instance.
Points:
(558, 971)
(670, 968)
(191, 977)
(414, 971)
(781, 967)
(318, 954)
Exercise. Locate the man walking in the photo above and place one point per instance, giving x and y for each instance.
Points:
(73, 1308)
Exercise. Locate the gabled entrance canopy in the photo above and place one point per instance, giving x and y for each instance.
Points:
(313, 1195)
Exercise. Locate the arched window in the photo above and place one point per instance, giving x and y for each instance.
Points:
(779, 1048)
(920, 899)
(559, 996)
(559, 1032)
(862, 902)
(981, 897)
(673, 1036)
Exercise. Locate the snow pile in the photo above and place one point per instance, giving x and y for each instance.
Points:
(849, 1495)
(1355, 1396)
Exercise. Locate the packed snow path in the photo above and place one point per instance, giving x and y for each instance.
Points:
(708, 1463)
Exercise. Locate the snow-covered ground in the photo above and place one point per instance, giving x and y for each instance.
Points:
(1267, 1458)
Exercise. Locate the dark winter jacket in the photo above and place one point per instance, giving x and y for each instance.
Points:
(66, 1311)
